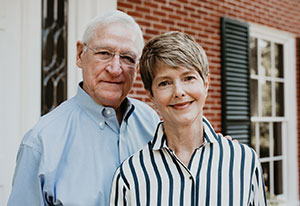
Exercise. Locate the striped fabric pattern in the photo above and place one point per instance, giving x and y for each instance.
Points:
(220, 172)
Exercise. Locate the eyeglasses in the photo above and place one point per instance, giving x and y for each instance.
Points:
(104, 55)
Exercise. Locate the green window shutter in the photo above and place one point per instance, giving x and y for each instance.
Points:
(235, 79)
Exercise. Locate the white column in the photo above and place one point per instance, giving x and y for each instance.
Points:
(80, 13)
(20, 33)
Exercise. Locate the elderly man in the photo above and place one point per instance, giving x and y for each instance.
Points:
(70, 155)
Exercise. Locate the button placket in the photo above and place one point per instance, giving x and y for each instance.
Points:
(108, 112)
(184, 168)
(101, 124)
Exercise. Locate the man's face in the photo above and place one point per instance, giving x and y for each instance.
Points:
(108, 81)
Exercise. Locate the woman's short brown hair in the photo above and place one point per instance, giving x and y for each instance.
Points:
(174, 49)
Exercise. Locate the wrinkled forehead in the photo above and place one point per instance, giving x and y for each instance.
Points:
(119, 36)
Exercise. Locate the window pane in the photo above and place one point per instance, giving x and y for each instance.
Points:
(277, 139)
(265, 47)
(278, 184)
(54, 54)
(266, 173)
(278, 60)
(266, 99)
(253, 136)
(254, 97)
(264, 139)
(279, 92)
(253, 60)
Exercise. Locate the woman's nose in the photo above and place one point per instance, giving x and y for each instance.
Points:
(179, 90)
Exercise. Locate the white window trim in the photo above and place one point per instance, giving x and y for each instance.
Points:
(290, 173)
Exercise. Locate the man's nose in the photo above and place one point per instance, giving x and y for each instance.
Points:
(114, 67)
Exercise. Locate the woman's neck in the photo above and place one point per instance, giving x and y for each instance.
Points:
(183, 140)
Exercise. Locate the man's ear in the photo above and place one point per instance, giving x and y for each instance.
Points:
(79, 53)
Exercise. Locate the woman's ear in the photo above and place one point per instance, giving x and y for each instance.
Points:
(206, 83)
(148, 93)
(150, 96)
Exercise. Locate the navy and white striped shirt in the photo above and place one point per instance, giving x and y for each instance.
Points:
(220, 172)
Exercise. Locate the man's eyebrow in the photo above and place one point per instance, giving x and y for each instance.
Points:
(113, 49)
(98, 47)
(130, 53)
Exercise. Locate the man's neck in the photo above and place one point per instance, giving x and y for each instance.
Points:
(121, 110)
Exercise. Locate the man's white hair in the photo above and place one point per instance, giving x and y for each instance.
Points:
(109, 17)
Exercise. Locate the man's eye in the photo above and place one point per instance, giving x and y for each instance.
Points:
(127, 59)
(105, 54)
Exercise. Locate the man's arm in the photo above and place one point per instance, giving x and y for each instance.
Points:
(26, 189)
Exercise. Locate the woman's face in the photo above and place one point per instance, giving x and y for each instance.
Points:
(179, 94)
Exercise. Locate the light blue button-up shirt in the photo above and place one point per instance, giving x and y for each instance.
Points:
(71, 154)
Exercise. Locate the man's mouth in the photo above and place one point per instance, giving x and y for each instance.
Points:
(112, 82)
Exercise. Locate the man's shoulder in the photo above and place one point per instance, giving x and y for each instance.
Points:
(142, 107)
(57, 115)
(50, 123)
(144, 115)
(139, 103)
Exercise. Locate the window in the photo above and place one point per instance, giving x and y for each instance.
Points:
(259, 104)
(267, 110)
(271, 90)
(54, 53)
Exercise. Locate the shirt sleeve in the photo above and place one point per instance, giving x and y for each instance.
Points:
(27, 187)
(258, 186)
(120, 191)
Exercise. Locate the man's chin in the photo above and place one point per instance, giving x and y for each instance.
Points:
(112, 100)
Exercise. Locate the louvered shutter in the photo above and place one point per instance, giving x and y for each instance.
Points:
(235, 79)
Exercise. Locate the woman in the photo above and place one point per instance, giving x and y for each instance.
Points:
(186, 163)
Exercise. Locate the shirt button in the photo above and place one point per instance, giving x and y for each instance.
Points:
(191, 177)
(101, 124)
(108, 112)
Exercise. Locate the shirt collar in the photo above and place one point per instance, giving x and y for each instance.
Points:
(209, 132)
(159, 140)
(99, 112)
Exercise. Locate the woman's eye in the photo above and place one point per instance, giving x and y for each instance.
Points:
(189, 78)
(164, 83)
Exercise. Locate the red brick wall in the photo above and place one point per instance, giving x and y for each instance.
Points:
(201, 19)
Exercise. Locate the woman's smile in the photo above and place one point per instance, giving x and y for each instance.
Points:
(181, 106)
